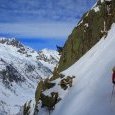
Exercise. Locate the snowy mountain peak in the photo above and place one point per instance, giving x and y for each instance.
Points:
(48, 55)
(11, 41)
(20, 71)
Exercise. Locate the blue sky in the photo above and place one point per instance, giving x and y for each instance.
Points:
(41, 23)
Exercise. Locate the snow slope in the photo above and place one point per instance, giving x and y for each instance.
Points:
(20, 71)
(91, 93)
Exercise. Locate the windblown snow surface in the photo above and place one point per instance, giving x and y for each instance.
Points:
(91, 92)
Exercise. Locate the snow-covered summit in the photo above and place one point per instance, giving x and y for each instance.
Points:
(48, 55)
(11, 41)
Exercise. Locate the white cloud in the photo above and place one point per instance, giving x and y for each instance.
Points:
(43, 30)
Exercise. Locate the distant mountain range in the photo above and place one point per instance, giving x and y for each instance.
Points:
(20, 70)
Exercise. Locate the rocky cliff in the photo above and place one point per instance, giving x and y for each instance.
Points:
(93, 25)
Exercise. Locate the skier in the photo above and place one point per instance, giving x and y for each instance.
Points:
(113, 81)
(113, 76)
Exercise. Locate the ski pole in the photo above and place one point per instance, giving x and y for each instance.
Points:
(112, 93)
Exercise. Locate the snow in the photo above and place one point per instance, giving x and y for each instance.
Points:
(91, 93)
(56, 88)
(96, 9)
(102, 1)
(49, 58)
(48, 53)
(86, 25)
(11, 99)
(105, 0)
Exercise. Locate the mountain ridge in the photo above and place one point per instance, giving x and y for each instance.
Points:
(20, 70)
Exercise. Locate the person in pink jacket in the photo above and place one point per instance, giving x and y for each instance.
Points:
(113, 76)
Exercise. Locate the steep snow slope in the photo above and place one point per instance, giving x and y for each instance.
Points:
(20, 70)
(91, 93)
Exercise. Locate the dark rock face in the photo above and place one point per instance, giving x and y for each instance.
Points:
(29, 68)
(10, 74)
(91, 28)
